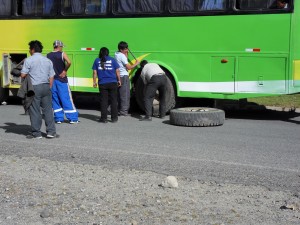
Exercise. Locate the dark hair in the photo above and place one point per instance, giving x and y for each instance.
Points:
(122, 45)
(143, 63)
(36, 45)
(102, 55)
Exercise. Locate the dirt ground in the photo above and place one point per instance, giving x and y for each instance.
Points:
(38, 191)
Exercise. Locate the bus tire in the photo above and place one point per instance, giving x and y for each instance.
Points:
(197, 117)
(170, 96)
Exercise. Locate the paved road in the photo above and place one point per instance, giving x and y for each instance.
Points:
(257, 148)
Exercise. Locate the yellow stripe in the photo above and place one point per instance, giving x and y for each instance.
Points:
(133, 62)
(296, 69)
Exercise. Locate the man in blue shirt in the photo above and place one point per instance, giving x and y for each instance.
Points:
(40, 70)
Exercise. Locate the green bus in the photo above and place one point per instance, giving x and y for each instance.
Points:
(216, 49)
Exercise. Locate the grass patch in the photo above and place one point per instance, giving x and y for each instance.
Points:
(285, 101)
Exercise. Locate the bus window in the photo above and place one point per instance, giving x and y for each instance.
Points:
(96, 7)
(5, 7)
(126, 6)
(150, 5)
(70, 7)
(31, 7)
(182, 5)
(213, 5)
(252, 4)
(49, 7)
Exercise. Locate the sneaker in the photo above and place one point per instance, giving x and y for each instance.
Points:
(58, 122)
(30, 136)
(74, 121)
(146, 118)
(52, 136)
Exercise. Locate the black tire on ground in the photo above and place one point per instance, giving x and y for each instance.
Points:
(197, 117)
(170, 95)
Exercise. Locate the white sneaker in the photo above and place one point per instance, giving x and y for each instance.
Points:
(58, 122)
(52, 136)
(73, 121)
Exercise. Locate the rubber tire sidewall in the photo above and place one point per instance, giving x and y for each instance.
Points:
(207, 118)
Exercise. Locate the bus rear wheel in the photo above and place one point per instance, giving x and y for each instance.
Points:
(170, 96)
(197, 117)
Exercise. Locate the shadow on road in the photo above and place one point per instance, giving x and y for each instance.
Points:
(14, 128)
(264, 114)
(249, 112)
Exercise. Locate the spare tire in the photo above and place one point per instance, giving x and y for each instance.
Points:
(197, 117)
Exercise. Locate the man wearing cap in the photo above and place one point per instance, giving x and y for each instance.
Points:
(61, 94)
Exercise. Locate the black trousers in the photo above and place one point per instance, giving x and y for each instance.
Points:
(109, 94)
(157, 82)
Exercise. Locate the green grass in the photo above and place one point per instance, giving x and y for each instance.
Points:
(285, 101)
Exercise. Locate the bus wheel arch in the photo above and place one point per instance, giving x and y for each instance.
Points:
(171, 93)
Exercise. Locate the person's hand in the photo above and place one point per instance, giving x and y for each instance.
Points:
(119, 83)
(95, 84)
(63, 74)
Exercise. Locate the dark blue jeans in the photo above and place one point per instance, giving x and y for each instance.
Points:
(42, 103)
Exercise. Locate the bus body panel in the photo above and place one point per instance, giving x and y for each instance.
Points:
(262, 54)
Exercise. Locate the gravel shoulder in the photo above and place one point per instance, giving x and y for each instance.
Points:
(40, 191)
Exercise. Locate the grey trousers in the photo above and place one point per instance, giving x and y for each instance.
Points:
(124, 96)
(42, 102)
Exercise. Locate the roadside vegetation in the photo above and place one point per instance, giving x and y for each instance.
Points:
(284, 101)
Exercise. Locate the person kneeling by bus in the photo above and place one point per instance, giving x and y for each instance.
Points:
(155, 79)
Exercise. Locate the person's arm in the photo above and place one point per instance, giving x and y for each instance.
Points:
(95, 78)
(130, 67)
(118, 77)
(143, 76)
(67, 65)
(25, 69)
(51, 81)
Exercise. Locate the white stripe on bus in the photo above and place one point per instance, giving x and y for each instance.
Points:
(277, 86)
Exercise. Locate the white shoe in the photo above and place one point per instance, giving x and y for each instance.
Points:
(73, 121)
(52, 136)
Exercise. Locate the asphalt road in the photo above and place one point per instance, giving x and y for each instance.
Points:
(252, 147)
